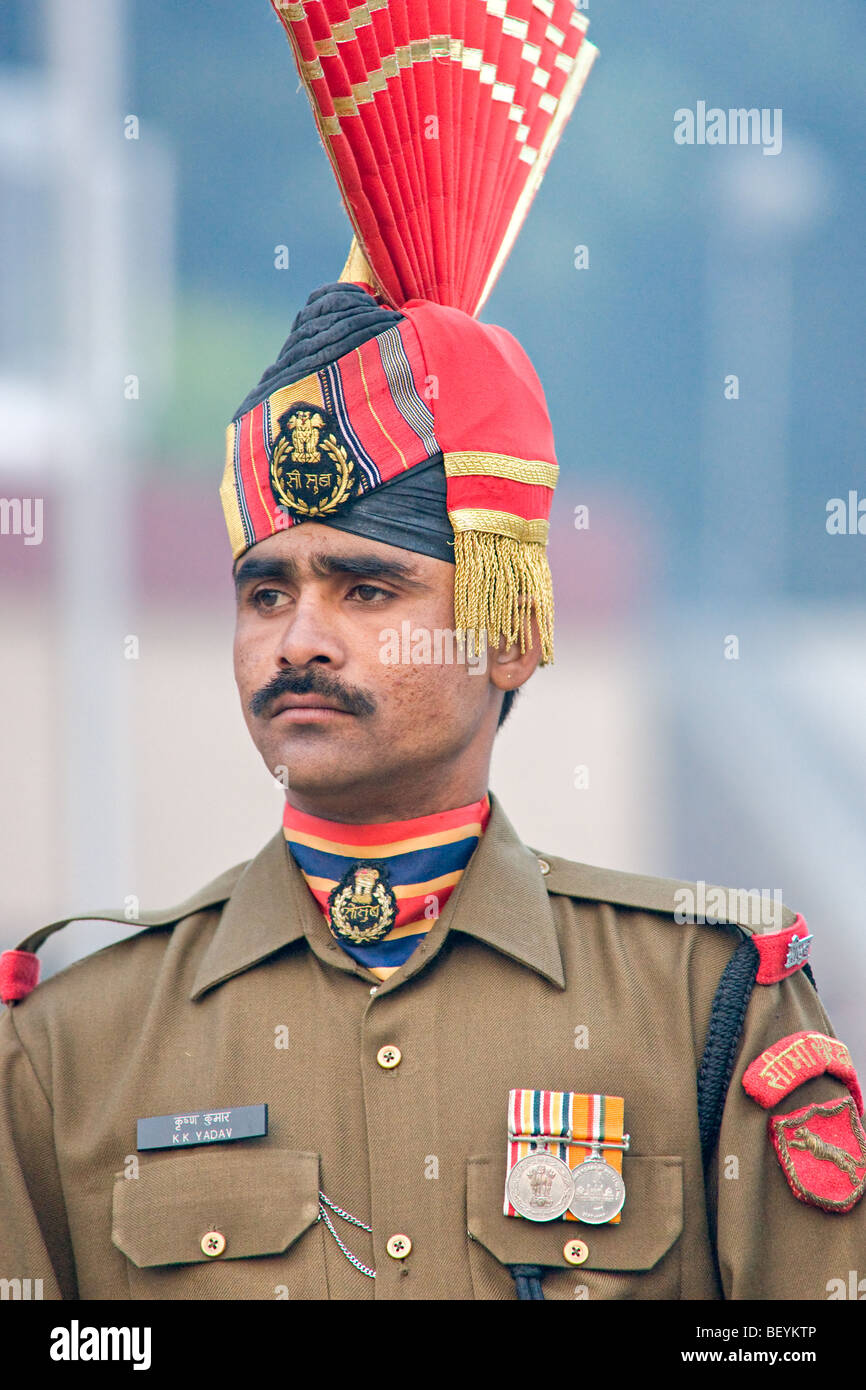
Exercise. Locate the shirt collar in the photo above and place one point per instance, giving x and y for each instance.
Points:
(501, 900)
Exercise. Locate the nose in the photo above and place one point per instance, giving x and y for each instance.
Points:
(309, 635)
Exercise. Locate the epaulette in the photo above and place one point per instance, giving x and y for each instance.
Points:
(19, 968)
(769, 950)
(780, 935)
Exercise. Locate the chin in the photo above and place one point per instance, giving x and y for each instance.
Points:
(316, 771)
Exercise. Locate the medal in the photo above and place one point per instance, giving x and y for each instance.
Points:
(555, 1164)
(540, 1186)
(363, 906)
(599, 1191)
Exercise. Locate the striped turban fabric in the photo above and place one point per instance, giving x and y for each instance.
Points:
(419, 427)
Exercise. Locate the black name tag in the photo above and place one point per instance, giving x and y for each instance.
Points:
(202, 1127)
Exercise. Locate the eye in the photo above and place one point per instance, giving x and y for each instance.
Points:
(267, 599)
(370, 593)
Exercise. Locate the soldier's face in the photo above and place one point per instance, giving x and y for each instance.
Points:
(341, 659)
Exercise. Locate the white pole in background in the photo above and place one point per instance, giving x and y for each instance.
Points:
(92, 523)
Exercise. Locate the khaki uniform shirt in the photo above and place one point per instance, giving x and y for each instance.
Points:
(241, 997)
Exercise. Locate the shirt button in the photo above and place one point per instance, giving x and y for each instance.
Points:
(213, 1242)
(389, 1056)
(544, 866)
(398, 1247)
(576, 1251)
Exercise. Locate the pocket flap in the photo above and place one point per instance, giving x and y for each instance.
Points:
(652, 1219)
(260, 1202)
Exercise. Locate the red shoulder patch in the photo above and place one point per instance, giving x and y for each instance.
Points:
(782, 952)
(822, 1150)
(797, 1058)
(19, 974)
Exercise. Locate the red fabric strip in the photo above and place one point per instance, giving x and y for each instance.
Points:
(532, 501)
(19, 975)
(773, 948)
(255, 474)
(498, 405)
(382, 429)
(386, 833)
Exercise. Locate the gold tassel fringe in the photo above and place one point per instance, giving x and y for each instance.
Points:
(499, 585)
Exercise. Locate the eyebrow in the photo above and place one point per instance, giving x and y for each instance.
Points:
(325, 566)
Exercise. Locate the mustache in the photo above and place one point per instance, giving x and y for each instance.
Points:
(313, 681)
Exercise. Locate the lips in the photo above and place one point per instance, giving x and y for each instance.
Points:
(306, 702)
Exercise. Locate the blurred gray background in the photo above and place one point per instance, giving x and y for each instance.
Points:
(705, 717)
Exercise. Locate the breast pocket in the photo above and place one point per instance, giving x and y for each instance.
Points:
(222, 1224)
(638, 1258)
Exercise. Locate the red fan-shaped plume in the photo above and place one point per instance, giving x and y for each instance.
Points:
(439, 118)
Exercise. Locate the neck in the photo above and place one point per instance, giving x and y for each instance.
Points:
(427, 796)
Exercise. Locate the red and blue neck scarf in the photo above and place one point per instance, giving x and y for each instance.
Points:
(424, 859)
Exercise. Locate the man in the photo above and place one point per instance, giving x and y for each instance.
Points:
(399, 1055)
(385, 1023)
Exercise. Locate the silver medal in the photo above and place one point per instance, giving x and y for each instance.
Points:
(599, 1191)
(540, 1186)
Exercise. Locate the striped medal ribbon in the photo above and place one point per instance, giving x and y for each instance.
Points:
(565, 1156)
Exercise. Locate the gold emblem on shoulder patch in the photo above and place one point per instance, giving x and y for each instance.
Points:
(363, 905)
(312, 473)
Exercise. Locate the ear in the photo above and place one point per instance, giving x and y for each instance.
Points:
(508, 667)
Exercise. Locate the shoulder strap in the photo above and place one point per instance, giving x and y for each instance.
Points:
(213, 893)
(668, 895)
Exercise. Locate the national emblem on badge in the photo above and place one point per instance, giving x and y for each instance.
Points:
(798, 950)
(540, 1186)
(782, 952)
(312, 473)
(363, 906)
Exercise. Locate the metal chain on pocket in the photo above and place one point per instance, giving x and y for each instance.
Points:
(338, 1211)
